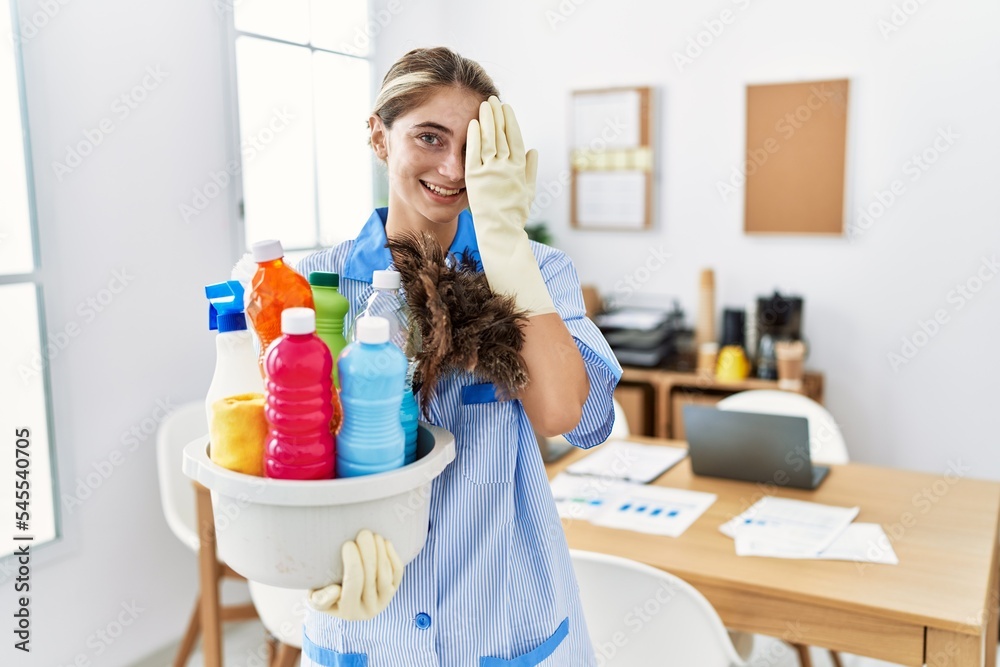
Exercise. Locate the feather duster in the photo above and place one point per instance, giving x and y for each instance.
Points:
(457, 323)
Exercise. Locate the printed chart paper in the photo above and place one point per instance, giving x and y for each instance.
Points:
(615, 504)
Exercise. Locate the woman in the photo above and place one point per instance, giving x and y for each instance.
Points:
(494, 582)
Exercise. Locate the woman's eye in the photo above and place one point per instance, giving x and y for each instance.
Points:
(430, 139)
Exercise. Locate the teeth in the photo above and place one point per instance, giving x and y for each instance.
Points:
(441, 191)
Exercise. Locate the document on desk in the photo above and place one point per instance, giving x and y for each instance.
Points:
(629, 461)
(862, 542)
(579, 497)
(654, 509)
(616, 504)
(785, 528)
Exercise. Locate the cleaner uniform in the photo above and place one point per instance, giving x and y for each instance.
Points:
(494, 584)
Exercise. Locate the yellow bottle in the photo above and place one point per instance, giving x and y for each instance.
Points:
(732, 365)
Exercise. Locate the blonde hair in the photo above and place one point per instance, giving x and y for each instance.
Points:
(420, 73)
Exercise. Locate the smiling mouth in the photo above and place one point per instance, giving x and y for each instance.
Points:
(442, 192)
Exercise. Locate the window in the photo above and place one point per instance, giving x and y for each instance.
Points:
(25, 416)
(303, 92)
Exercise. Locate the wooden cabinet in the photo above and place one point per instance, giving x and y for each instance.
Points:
(653, 399)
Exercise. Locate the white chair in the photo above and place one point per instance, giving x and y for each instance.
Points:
(283, 613)
(675, 624)
(826, 444)
(176, 494)
(185, 508)
(620, 429)
(554, 448)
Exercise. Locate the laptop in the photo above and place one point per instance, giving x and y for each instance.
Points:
(770, 449)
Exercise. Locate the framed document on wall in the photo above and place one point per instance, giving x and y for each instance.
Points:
(612, 159)
(795, 158)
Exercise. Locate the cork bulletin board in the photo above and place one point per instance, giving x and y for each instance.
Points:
(796, 156)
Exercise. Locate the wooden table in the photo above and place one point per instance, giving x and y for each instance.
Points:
(938, 606)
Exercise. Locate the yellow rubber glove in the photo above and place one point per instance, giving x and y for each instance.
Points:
(500, 183)
(372, 573)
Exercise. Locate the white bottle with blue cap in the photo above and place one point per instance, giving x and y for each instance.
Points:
(236, 370)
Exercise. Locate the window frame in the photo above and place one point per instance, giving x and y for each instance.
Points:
(35, 277)
(236, 199)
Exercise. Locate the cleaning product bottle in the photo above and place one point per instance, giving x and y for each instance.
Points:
(331, 307)
(387, 302)
(372, 373)
(298, 390)
(409, 414)
(275, 287)
(236, 370)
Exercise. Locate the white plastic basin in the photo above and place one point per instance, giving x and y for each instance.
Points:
(289, 533)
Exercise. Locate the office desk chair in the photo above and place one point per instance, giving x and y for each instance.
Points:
(187, 507)
(684, 630)
(826, 443)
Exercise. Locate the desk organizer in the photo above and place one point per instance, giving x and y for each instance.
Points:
(289, 533)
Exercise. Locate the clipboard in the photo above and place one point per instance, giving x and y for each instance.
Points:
(796, 157)
(612, 161)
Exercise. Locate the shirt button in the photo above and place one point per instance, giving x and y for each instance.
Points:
(423, 621)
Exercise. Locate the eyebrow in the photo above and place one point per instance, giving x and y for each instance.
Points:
(433, 126)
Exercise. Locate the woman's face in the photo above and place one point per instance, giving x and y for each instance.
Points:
(425, 153)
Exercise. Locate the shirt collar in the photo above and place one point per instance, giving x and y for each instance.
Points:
(370, 253)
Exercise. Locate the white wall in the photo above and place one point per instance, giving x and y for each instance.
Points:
(118, 211)
(939, 70)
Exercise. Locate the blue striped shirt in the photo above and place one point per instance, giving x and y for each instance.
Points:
(494, 585)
